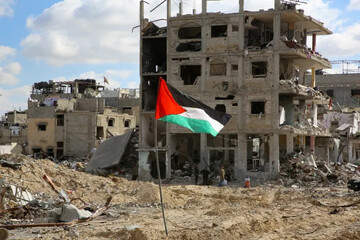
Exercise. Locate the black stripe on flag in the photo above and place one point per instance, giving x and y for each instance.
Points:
(186, 101)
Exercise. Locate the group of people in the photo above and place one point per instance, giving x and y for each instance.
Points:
(224, 177)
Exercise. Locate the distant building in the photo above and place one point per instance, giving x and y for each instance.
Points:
(68, 119)
(13, 129)
(344, 89)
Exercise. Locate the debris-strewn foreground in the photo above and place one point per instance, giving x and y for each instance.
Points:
(193, 212)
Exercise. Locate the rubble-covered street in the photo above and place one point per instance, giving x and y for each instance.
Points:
(268, 211)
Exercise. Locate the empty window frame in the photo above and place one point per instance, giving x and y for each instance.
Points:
(59, 149)
(42, 126)
(221, 108)
(235, 28)
(355, 92)
(111, 122)
(218, 68)
(330, 92)
(258, 107)
(189, 31)
(127, 110)
(219, 31)
(127, 123)
(189, 73)
(60, 120)
(259, 69)
(99, 132)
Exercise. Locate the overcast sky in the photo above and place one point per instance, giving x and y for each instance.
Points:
(63, 40)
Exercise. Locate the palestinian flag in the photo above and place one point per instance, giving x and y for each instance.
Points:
(176, 107)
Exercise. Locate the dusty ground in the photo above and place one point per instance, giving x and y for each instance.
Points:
(193, 212)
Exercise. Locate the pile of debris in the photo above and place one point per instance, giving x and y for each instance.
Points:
(21, 207)
(306, 169)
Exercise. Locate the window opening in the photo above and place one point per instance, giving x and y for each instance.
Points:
(258, 107)
(111, 122)
(127, 123)
(330, 92)
(259, 69)
(218, 68)
(60, 120)
(189, 32)
(219, 31)
(220, 108)
(355, 92)
(190, 73)
(42, 127)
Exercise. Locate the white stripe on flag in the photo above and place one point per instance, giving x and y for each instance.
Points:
(199, 114)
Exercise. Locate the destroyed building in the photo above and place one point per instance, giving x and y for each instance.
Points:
(67, 119)
(125, 100)
(250, 64)
(344, 89)
(13, 131)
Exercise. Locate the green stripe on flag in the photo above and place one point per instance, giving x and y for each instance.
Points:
(200, 126)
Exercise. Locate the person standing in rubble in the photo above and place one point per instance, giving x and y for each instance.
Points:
(222, 181)
(196, 173)
(205, 172)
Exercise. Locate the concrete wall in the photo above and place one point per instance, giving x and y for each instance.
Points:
(341, 84)
(80, 130)
(341, 118)
(41, 139)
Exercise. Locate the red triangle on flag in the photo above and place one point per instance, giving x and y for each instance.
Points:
(165, 103)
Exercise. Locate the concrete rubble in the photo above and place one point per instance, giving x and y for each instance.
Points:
(301, 169)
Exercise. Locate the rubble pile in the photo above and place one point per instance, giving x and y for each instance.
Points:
(305, 169)
(39, 191)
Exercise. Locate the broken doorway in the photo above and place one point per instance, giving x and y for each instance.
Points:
(162, 164)
(258, 152)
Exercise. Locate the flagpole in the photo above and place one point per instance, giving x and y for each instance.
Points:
(158, 171)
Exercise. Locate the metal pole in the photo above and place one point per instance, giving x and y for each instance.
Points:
(159, 176)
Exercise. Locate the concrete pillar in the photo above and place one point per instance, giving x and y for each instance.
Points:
(204, 6)
(203, 75)
(241, 45)
(180, 8)
(241, 6)
(327, 151)
(313, 78)
(168, 9)
(314, 42)
(274, 153)
(302, 76)
(287, 103)
(241, 163)
(203, 150)
(315, 113)
(226, 144)
(277, 29)
(350, 151)
(277, 4)
(312, 143)
(289, 143)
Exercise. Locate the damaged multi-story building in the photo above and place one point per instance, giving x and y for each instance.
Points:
(14, 131)
(250, 64)
(71, 118)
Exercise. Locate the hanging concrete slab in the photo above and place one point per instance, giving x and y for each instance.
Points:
(109, 153)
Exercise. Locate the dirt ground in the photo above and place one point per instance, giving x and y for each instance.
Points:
(192, 212)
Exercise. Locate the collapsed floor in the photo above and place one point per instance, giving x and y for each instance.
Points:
(193, 212)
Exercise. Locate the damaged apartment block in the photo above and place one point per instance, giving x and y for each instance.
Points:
(251, 65)
(69, 119)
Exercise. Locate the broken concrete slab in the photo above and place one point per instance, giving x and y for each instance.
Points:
(21, 196)
(70, 212)
(109, 153)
